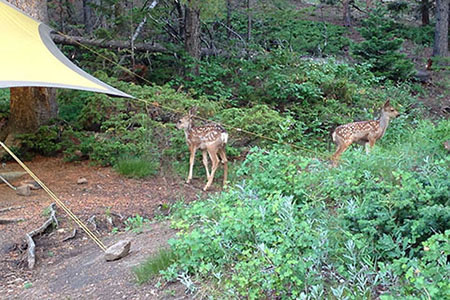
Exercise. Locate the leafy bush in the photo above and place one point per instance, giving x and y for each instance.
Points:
(421, 35)
(45, 141)
(4, 102)
(296, 229)
(135, 224)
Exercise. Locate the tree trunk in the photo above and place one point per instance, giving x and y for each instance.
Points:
(249, 22)
(30, 107)
(192, 30)
(347, 13)
(425, 12)
(440, 47)
(87, 17)
(229, 19)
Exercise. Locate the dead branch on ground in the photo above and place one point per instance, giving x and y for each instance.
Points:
(74, 233)
(29, 236)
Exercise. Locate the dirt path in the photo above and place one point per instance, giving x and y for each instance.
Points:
(83, 273)
(76, 268)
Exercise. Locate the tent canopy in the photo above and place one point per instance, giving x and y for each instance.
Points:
(28, 57)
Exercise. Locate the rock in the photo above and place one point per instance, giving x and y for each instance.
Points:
(82, 180)
(118, 250)
(422, 76)
(32, 184)
(23, 190)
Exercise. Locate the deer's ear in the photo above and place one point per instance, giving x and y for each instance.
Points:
(193, 111)
(387, 103)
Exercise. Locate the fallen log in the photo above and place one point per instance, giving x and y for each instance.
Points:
(118, 45)
(77, 40)
(29, 236)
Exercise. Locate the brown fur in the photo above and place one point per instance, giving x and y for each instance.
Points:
(211, 139)
(364, 132)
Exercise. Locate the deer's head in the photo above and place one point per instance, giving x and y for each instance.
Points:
(186, 121)
(389, 110)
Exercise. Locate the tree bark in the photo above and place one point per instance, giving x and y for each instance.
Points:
(229, 9)
(440, 47)
(347, 13)
(30, 107)
(425, 12)
(249, 22)
(87, 17)
(192, 30)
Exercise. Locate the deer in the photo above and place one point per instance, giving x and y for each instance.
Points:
(363, 132)
(211, 139)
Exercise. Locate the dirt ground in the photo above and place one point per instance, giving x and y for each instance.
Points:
(76, 268)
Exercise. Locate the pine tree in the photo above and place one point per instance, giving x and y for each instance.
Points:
(381, 47)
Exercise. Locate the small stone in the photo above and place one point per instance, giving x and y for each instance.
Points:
(32, 184)
(82, 180)
(23, 190)
(118, 250)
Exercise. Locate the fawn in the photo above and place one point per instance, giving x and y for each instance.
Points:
(364, 132)
(211, 139)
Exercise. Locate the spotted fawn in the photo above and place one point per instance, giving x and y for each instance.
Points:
(211, 139)
(364, 132)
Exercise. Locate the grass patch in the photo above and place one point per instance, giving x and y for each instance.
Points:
(150, 268)
(136, 167)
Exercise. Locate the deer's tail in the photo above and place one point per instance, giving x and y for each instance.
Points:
(224, 137)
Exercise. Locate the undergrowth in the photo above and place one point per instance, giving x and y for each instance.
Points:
(377, 226)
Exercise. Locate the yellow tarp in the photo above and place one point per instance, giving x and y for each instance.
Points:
(28, 57)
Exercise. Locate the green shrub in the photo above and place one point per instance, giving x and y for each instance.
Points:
(45, 141)
(135, 224)
(296, 227)
(153, 265)
(380, 47)
(136, 167)
(4, 103)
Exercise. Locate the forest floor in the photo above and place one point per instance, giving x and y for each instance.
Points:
(76, 268)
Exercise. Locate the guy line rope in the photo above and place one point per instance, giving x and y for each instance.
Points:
(56, 199)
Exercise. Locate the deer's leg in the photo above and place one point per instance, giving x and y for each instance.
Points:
(340, 149)
(215, 162)
(205, 162)
(191, 163)
(369, 145)
(223, 157)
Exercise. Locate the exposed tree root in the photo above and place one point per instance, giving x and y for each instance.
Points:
(74, 233)
(29, 236)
